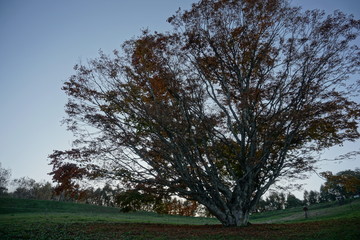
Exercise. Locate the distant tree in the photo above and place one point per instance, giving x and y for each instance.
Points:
(189, 208)
(344, 184)
(306, 200)
(326, 195)
(275, 201)
(92, 196)
(43, 190)
(134, 200)
(180, 207)
(239, 94)
(102, 196)
(261, 206)
(293, 201)
(24, 188)
(5, 175)
(108, 195)
(314, 197)
(28, 188)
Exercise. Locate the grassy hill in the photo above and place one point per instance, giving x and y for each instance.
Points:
(35, 219)
(317, 212)
(14, 206)
(11, 209)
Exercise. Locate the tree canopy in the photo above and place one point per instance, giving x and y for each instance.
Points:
(344, 184)
(239, 94)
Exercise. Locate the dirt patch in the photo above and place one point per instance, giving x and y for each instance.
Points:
(255, 231)
(322, 230)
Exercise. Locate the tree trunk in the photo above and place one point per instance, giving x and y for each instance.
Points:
(234, 217)
(237, 218)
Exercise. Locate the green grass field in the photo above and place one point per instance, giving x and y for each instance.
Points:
(35, 219)
(317, 212)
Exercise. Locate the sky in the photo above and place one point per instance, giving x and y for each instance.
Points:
(41, 41)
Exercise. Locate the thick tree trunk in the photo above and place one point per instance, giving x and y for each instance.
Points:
(236, 218)
(233, 217)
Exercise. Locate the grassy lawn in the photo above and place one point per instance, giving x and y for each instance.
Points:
(33, 219)
(24, 210)
(317, 212)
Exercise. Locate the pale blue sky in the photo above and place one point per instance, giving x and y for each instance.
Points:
(41, 40)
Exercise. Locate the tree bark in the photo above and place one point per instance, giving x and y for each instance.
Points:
(236, 218)
(234, 215)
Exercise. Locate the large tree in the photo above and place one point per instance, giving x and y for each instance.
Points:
(239, 94)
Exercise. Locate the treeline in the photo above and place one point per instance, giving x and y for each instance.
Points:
(341, 186)
(28, 188)
(129, 200)
(281, 200)
(125, 199)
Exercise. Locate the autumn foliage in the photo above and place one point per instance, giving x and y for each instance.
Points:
(343, 184)
(239, 94)
(65, 176)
